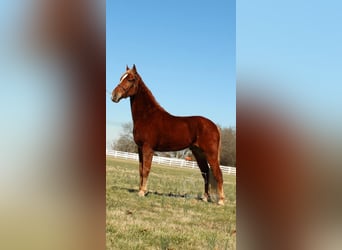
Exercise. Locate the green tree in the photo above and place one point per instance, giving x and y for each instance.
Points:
(228, 147)
(126, 142)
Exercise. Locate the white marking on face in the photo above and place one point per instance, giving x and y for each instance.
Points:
(123, 77)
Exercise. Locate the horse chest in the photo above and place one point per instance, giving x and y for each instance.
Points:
(142, 133)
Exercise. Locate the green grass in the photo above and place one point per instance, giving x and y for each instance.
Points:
(171, 216)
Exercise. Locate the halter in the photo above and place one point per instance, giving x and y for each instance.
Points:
(127, 89)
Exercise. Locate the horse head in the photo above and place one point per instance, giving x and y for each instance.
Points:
(128, 85)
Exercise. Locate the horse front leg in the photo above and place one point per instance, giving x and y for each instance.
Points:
(141, 193)
(145, 161)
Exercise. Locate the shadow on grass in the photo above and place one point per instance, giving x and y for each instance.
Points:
(170, 194)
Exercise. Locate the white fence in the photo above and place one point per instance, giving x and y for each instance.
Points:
(165, 161)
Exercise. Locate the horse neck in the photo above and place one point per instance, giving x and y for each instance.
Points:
(143, 104)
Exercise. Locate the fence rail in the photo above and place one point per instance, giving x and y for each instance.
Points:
(165, 161)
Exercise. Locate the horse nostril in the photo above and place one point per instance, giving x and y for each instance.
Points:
(116, 97)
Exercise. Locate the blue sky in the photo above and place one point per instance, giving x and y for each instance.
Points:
(184, 51)
(290, 53)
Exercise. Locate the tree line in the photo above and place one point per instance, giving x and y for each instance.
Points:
(126, 143)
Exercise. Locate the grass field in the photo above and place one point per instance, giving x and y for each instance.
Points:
(171, 216)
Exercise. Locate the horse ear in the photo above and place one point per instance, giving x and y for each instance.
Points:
(134, 69)
(127, 67)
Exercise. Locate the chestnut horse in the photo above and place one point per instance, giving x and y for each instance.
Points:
(154, 129)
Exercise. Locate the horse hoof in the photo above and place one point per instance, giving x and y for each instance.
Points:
(220, 202)
(206, 198)
(141, 193)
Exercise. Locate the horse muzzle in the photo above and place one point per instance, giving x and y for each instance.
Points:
(116, 97)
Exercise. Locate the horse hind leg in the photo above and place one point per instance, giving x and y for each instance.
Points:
(217, 173)
(203, 165)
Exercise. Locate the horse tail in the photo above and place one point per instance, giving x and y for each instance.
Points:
(219, 144)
